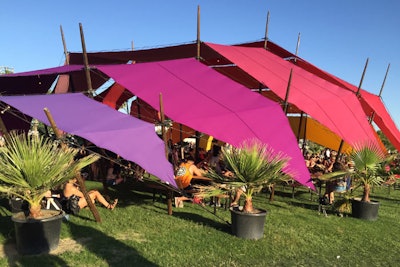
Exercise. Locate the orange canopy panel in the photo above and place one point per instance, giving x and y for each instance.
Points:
(314, 131)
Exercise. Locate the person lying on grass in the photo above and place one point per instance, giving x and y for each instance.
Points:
(71, 188)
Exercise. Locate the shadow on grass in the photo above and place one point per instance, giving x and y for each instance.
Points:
(113, 251)
(221, 224)
(386, 198)
(9, 250)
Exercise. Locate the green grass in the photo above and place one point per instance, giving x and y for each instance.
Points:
(141, 233)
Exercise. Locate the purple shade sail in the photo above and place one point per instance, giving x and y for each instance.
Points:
(129, 137)
(203, 99)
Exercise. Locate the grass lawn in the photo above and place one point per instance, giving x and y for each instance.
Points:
(139, 232)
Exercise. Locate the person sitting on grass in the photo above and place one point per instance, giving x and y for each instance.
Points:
(184, 175)
(72, 188)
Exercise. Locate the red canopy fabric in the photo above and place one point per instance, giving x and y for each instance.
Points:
(201, 98)
(371, 103)
(337, 109)
(375, 108)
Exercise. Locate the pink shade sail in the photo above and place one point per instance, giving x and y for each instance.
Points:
(74, 113)
(337, 109)
(203, 99)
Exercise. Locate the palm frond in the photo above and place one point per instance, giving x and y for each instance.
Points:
(31, 166)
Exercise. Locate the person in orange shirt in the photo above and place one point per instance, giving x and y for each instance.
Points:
(184, 175)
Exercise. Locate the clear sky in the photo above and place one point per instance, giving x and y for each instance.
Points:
(337, 36)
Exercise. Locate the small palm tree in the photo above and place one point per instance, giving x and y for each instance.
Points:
(30, 167)
(367, 160)
(252, 166)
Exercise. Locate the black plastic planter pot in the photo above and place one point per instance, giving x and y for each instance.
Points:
(37, 236)
(365, 210)
(248, 225)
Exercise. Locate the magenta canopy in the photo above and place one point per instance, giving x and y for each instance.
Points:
(199, 97)
(75, 113)
(337, 109)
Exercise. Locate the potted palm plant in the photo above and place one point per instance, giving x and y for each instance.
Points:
(367, 160)
(251, 166)
(29, 168)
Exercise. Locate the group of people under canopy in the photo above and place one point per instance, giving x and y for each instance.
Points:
(190, 167)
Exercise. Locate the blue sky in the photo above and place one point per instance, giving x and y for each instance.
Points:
(337, 36)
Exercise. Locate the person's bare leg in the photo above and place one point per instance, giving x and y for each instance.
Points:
(179, 200)
(235, 201)
(95, 195)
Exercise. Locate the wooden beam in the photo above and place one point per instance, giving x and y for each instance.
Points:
(78, 175)
(86, 62)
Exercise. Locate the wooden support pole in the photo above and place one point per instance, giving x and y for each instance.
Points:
(78, 175)
(372, 117)
(65, 46)
(297, 47)
(384, 80)
(362, 77)
(86, 62)
(266, 32)
(162, 121)
(162, 118)
(198, 33)
(357, 94)
(300, 124)
(286, 103)
(3, 129)
(180, 132)
(304, 136)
